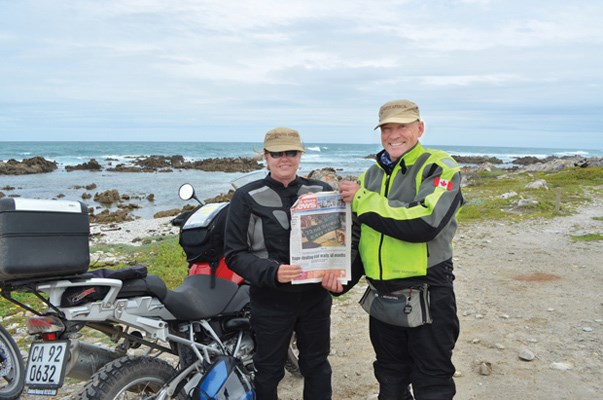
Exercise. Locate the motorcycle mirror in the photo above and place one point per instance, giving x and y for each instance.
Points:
(186, 191)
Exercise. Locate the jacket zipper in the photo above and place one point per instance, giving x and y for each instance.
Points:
(382, 235)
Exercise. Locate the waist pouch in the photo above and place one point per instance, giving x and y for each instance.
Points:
(408, 308)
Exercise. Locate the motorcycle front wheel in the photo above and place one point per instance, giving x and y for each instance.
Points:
(128, 377)
(12, 370)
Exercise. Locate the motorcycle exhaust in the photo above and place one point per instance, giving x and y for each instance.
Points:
(88, 358)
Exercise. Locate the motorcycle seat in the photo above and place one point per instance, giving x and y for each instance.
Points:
(151, 285)
(197, 299)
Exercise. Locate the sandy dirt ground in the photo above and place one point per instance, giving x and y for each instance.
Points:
(531, 311)
(524, 290)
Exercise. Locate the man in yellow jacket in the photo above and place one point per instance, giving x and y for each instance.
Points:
(406, 206)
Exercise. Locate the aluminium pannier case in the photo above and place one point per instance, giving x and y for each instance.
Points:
(41, 238)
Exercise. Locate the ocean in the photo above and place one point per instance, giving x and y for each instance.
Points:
(347, 159)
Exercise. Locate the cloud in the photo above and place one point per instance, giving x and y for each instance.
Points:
(464, 80)
(329, 64)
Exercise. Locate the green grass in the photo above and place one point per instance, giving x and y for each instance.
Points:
(568, 189)
(162, 256)
(589, 237)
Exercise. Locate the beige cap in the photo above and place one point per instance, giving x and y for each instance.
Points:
(282, 139)
(398, 112)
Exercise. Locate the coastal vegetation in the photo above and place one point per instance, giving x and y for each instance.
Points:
(588, 237)
(497, 194)
(494, 194)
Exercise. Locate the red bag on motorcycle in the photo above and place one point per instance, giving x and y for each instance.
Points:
(202, 233)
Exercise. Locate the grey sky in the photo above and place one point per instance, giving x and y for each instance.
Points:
(484, 72)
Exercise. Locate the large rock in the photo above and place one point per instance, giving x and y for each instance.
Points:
(34, 165)
(159, 162)
(527, 160)
(128, 168)
(554, 164)
(328, 175)
(108, 217)
(107, 197)
(226, 164)
(167, 213)
(156, 163)
(91, 165)
(476, 159)
(221, 197)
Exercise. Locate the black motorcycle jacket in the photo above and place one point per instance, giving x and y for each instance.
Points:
(256, 240)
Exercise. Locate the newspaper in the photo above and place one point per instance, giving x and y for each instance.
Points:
(321, 234)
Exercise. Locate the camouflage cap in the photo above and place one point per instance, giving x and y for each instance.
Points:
(398, 112)
(282, 139)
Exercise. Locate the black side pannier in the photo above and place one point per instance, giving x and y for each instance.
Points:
(202, 233)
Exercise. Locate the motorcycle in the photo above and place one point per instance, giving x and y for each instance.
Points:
(192, 319)
(11, 367)
(204, 318)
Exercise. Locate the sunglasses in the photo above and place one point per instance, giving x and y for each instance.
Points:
(279, 154)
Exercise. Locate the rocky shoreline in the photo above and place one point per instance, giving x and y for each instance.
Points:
(154, 163)
(158, 163)
(110, 206)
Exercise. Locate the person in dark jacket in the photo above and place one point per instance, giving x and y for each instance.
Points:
(406, 206)
(257, 248)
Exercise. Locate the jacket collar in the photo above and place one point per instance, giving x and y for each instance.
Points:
(408, 158)
(274, 183)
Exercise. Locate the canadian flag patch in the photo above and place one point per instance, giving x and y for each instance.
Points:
(443, 183)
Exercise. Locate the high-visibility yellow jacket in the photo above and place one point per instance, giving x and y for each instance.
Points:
(408, 217)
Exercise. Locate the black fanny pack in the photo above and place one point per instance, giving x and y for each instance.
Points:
(407, 307)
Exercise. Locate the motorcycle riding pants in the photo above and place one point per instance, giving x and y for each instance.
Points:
(274, 319)
(419, 356)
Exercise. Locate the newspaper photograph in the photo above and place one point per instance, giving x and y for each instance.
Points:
(321, 234)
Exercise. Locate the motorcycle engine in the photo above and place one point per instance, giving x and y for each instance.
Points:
(246, 349)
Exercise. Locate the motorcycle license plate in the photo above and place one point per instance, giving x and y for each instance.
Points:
(46, 366)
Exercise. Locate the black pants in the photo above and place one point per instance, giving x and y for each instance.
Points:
(419, 356)
(274, 319)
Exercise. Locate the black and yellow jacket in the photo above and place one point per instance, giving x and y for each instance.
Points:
(407, 215)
